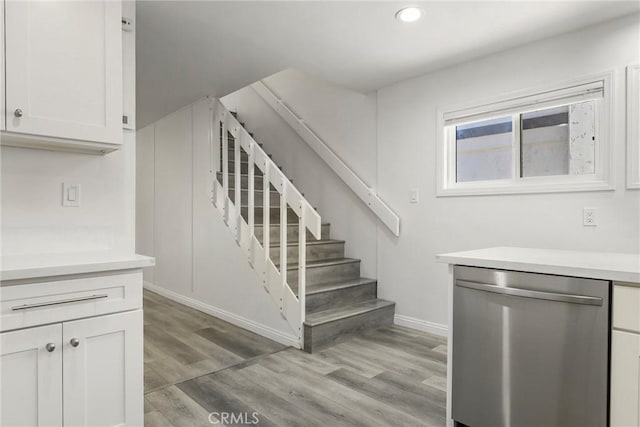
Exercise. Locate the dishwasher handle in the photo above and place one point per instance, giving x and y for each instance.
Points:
(529, 293)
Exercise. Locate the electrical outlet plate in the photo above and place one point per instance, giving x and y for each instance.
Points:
(589, 217)
(70, 194)
(127, 24)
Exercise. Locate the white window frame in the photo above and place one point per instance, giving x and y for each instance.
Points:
(633, 127)
(520, 102)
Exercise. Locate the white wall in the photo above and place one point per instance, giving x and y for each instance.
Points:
(346, 121)
(407, 271)
(173, 202)
(33, 218)
(197, 260)
(145, 183)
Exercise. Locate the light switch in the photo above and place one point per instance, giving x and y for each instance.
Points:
(70, 194)
(414, 195)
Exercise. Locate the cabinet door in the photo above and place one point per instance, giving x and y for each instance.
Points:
(64, 69)
(103, 370)
(31, 377)
(2, 86)
(625, 379)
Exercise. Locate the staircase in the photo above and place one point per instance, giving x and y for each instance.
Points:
(336, 302)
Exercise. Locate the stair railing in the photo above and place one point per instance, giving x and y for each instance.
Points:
(273, 275)
(368, 195)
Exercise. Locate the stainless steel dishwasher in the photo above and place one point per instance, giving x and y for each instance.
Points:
(529, 349)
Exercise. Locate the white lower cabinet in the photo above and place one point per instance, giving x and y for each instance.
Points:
(84, 372)
(102, 369)
(625, 379)
(31, 377)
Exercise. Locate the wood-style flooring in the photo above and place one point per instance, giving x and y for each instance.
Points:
(200, 369)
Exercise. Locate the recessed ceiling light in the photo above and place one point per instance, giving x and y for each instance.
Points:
(409, 14)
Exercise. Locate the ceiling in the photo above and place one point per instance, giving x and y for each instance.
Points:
(189, 49)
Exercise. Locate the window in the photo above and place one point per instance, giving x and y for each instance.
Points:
(552, 140)
(484, 150)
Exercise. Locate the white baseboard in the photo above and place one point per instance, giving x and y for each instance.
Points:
(260, 329)
(421, 325)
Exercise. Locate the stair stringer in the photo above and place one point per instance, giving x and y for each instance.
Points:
(265, 269)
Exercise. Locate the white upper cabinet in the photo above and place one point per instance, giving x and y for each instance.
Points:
(63, 64)
(2, 86)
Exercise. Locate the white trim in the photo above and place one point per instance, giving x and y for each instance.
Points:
(484, 188)
(633, 127)
(530, 102)
(368, 195)
(602, 180)
(227, 316)
(421, 325)
(450, 285)
(12, 139)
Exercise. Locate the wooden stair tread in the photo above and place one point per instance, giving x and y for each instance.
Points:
(309, 243)
(341, 284)
(262, 207)
(345, 311)
(242, 175)
(257, 190)
(323, 263)
(324, 224)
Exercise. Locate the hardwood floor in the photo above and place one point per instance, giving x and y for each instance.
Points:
(197, 367)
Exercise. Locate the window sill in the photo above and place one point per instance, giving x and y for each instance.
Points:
(533, 186)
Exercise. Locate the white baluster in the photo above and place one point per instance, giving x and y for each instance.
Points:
(283, 237)
(225, 165)
(265, 221)
(250, 198)
(216, 143)
(302, 270)
(238, 185)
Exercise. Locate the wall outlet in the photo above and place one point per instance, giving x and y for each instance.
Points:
(414, 195)
(70, 194)
(127, 24)
(589, 217)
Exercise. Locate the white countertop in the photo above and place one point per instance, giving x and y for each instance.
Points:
(15, 267)
(624, 267)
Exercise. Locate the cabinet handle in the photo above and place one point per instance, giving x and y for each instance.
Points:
(50, 347)
(18, 112)
(74, 342)
(530, 293)
(66, 301)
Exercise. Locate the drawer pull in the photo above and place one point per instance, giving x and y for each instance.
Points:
(66, 301)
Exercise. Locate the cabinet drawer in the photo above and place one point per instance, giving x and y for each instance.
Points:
(626, 307)
(55, 301)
